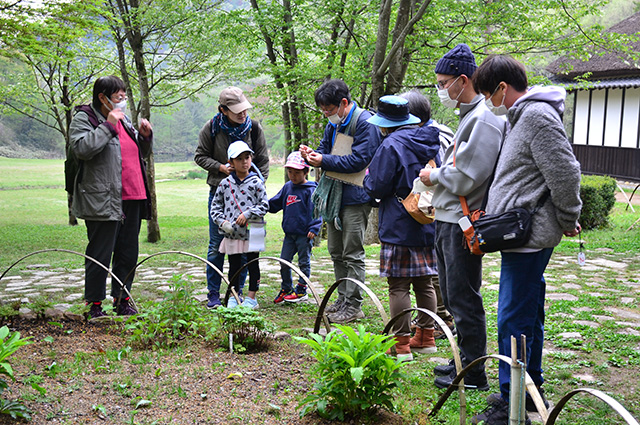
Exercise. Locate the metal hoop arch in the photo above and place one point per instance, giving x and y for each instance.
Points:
(454, 349)
(293, 267)
(122, 286)
(624, 413)
(325, 301)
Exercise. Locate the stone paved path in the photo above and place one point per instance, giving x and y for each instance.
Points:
(606, 276)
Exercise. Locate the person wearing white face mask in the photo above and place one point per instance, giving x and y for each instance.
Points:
(536, 167)
(465, 171)
(345, 207)
(110, 190)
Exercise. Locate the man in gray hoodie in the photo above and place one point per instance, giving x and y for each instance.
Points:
(465, 171)
(536, 168)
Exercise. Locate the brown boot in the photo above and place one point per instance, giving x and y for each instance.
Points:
(403, 351)
(423, 341)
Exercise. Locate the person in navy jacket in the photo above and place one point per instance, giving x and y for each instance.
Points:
(406, 251)
(300, 228)
(345, 231)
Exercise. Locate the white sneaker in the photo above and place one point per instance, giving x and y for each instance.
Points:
(251, 303)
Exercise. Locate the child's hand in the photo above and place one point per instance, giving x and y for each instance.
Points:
(227, 227)
(241, 220)
(311, 235)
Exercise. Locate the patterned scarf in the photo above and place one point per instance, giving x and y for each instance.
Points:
(221, 123)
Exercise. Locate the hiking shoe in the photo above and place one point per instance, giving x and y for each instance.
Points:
(445, 369)
(250, 302)
(349, 314)
(470, 382)
(124, 308)
(232, 302)
(280, 298)
(298, 296)
(496, 414)
(96, 311)
(529, 404)
(336, 306)
(213, 300)
(438, 333)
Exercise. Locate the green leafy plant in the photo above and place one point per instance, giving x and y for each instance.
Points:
(598, 194)
(251, 332)
(353, 374)
(178, 317)
(9, 344)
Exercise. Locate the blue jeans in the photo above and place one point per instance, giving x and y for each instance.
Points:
(291, 245)
(521, 310)
(215, 257)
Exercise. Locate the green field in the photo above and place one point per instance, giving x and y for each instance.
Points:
(589, 301)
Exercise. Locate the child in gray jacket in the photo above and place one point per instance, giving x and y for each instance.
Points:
(240, 199)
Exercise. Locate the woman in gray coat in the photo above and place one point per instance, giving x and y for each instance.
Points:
(110, 190)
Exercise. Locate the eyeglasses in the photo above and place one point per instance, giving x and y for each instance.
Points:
(120, 99)
(331, 111)
(441, 84)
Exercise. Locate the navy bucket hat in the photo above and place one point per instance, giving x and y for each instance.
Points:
(393, 111)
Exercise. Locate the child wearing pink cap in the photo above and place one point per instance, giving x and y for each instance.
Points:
(300, 228)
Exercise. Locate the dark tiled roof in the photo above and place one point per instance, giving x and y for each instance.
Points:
(609, 83)
(610, 64)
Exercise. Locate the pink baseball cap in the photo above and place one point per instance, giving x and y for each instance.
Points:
(294, 160)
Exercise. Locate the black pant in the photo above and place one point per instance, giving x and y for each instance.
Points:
(112, 242)
(460, 275)
(235, 263)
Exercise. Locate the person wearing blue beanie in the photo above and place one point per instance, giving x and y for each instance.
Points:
(464, 175)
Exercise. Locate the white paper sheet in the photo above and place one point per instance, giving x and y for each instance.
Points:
(257, 233)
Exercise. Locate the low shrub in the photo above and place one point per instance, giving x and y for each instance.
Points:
(9, 344)
(178, 317)
(598, 194)
(354, 377)
(251, 332)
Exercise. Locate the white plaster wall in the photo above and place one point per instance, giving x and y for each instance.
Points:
(614, 113)
(581, 118)
(631, 118)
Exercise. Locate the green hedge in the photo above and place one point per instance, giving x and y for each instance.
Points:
(598, 194)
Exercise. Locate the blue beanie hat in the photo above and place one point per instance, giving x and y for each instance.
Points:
(457, 61)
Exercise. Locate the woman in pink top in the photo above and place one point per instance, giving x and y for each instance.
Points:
(110, 190)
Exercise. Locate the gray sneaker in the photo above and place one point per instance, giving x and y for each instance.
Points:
(349, 314)
(335, 307)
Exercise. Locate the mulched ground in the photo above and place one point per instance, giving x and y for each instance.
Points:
(89, 379)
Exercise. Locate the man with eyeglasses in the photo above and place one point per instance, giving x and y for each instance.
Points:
(466, 168)
(347, 127)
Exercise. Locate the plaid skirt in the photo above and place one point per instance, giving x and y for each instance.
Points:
(407, 261)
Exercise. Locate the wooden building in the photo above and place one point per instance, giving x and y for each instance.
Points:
(603, 121)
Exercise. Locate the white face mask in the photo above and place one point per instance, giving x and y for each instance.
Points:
(497, 110)
(446, 100)
(120, 105)
(335, 119)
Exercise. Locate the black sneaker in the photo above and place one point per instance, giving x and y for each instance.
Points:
(96, 311)
(124, 308)
(529, 404)
(470, 382)
(445, 369)
(496, 414)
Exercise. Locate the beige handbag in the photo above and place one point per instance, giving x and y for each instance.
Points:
(418, 202)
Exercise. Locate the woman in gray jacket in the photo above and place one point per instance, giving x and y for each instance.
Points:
(110, 190)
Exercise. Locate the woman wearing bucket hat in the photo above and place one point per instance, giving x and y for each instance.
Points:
(230, 124)
(406, 246)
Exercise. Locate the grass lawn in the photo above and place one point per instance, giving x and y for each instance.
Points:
(593, 318)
